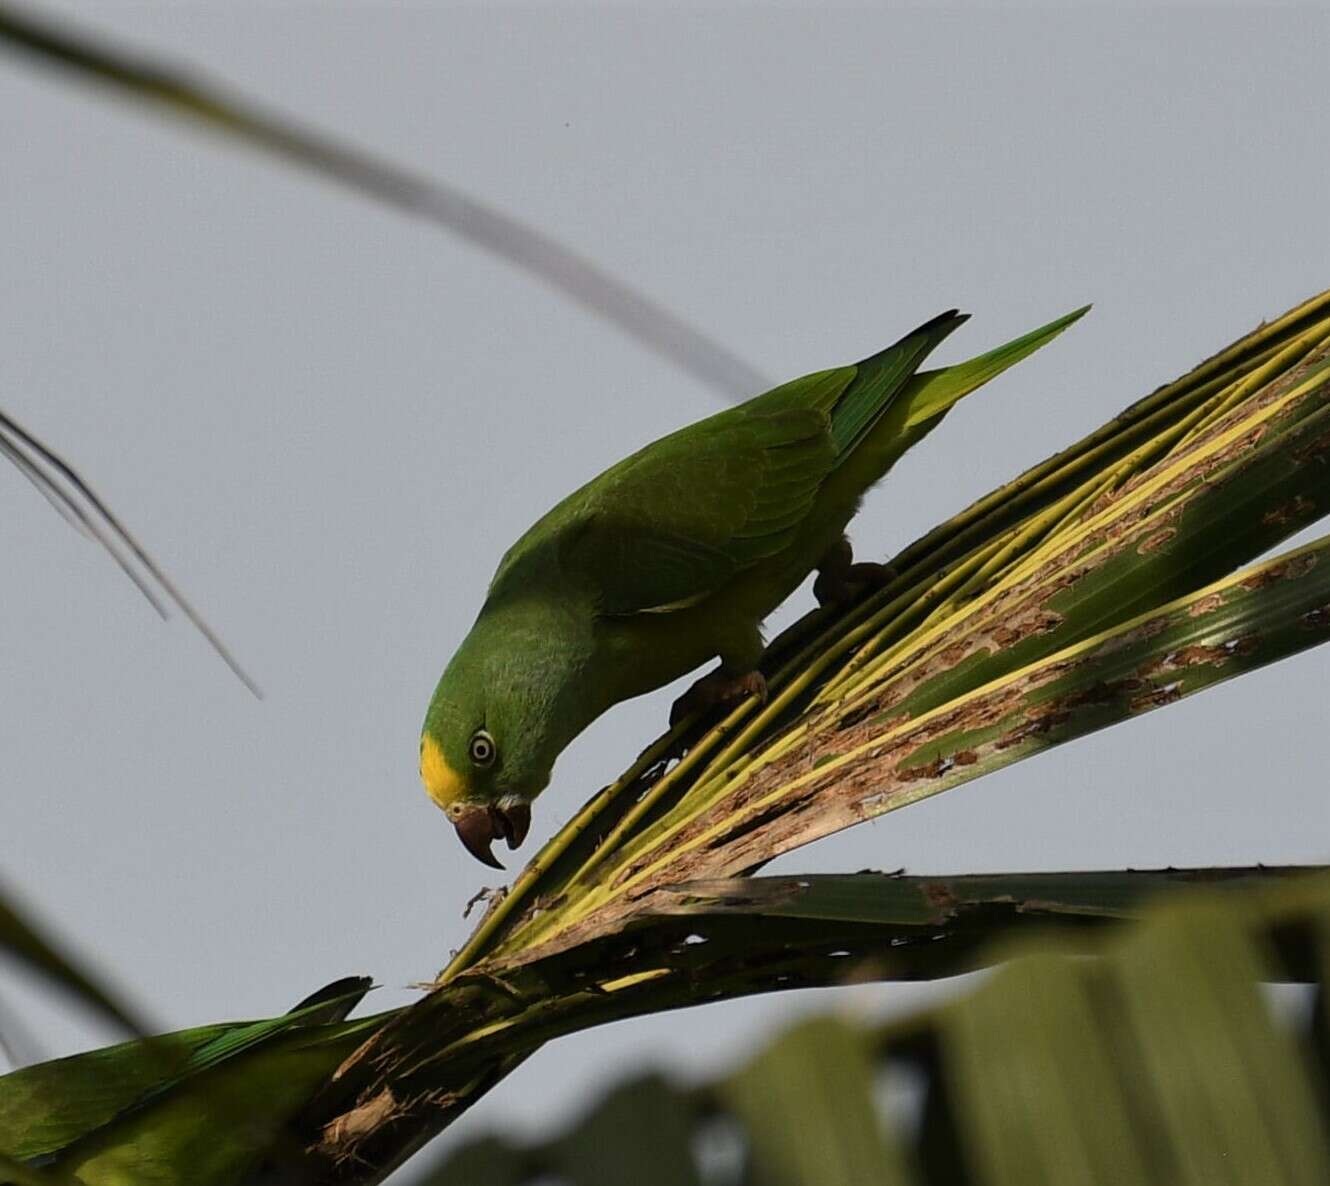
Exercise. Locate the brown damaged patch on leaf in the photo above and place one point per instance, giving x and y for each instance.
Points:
(1215, 655)
(934, 769)
(1289, 570)
(1289, 512)
(1206, 605)
(1316, 619)
(1261, 399)
(1138, 634)
(1156, 540)
(940, 895)
(855, 790)
(954, 654)
(1035, 728)
(1040, 621)
(1155, 698)
(1314, 451)
(341, 1135)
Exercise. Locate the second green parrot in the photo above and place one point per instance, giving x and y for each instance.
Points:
(670, 558)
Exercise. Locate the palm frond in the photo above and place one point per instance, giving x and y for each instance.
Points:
(1153, 1057)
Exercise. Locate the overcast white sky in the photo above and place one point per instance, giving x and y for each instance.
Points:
(329, 421)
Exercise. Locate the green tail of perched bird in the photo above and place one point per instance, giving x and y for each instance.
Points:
(672, 557)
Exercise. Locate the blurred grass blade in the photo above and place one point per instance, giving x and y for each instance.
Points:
(807, 1105)
(220, 1126)
(62, 486)
(20, 936)
(170, 89)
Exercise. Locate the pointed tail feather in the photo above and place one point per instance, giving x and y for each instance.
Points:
(880, 378)
(930, 393)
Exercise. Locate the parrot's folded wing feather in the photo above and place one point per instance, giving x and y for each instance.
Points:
(49, 1106)
(673, 523)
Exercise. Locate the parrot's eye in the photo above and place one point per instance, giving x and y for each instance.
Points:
(482, 749)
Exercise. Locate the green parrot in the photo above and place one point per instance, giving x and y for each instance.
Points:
(147, 1112)
(670, 558)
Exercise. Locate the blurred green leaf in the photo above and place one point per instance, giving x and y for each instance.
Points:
(645, 1123)
(807, 1105)
(490, 1161)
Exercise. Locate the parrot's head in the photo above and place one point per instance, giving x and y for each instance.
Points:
(503, 711)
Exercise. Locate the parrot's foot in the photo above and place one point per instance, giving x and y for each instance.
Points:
(718, 687)
(840, 580)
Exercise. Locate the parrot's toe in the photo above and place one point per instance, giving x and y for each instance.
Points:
(718, 687)
(840, 580)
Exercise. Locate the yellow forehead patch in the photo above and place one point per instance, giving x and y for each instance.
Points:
(442, 783)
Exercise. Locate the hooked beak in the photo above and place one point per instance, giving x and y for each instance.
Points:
(479, 827)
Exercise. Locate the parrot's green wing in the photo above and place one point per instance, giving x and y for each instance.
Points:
(219, 1126)
(48, 1107)
(679, 520)
(674, 522)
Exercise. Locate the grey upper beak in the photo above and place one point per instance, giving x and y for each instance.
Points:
(481, 826)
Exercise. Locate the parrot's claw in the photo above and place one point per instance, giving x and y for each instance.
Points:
(841, 581)
(719, 687)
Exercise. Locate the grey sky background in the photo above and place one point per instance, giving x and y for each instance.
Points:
(328, 421)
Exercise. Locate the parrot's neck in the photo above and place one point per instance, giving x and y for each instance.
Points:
(550, 662)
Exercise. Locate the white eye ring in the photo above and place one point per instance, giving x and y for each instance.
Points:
(481, 748)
